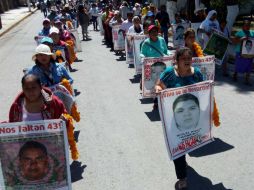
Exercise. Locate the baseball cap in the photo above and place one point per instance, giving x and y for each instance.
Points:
(46, 40)
(42, 49)
(149, 13)
(152, 27)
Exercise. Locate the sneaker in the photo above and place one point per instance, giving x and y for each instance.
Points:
(181, 184)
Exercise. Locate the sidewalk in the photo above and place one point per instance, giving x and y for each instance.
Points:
(13, 17)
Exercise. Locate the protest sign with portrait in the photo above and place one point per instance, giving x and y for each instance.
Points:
(78, 47)
(99, 20)
(217, 46)
(178, 34)
(151, 70)
(186, 114)
(129, 49)
(138, 40)
(64, 95)
(34, 155)
(118, 37)
(248, 48)
(206, 65)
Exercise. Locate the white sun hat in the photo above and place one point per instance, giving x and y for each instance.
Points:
(42, 49)
(54, 30)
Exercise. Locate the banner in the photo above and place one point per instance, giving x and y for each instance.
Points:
(34, 155)
(138, 40)
(151, 70)
(129, 49)
(78, 47)
(186, 114)
(247, 49)
(206, 65)
(178, 34)
(217, 46)
(118, 38)
(63, 94)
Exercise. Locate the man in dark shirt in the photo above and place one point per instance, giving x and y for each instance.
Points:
(163, 18)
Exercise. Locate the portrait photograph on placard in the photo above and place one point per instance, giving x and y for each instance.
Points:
(217, 46)
(178, 34)
(186, 116)
(32, 160)
(138, 40)
(129, 49)
(118, 38)
(248, 48)
(151, 71)
(206, 66)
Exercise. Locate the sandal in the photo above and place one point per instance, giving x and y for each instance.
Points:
(181, 184)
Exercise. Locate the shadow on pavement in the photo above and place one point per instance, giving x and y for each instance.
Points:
(122, 58)
(239, 85)
(73, 70)
(76, 171)
(131, 66)
(198, 182)
(76, 135)
(78, 60)
(215, 147)
(153, 115)
(146, 101)
(136, 79)
(76, 92)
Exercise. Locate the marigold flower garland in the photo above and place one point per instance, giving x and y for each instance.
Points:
(198, 49)
(216, 115)
(59, 56)
(74, 109)
(71, 139)
(74, 113)
(67, 85)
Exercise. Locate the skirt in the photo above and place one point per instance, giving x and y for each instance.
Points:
(243, 65)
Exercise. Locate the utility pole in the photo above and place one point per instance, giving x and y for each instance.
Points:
(29, 5)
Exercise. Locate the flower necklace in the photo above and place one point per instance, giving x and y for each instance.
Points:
(198, 50)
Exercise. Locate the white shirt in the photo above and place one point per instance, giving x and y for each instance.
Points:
(126, 25)
(132, 31)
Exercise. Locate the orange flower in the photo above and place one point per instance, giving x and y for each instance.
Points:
(198, 49)
(59, 56)
(67, 85)
(74, 113)
(71, 139)
(216, 115)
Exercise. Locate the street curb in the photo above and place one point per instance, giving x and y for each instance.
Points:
(16, 23)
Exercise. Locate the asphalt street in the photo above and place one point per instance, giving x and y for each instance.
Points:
(120, 139)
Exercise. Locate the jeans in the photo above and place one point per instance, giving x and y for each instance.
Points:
(95, 23)
(164, 30)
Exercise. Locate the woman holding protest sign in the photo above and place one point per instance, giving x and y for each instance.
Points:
(208, 25)
(136, 28)
(36, 102)
(182, 74)
(154, 46)
(189, 37)
(49, 72)
(29, 103)
(243, 64)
